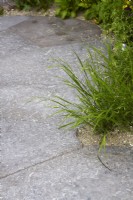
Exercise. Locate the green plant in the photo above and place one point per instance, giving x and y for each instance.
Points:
(122, 25)
(28, 4)
(91, 8)
(70, 8)
(116, 17)
(67, 8)
(105, 95)
(92, 12)
(108, 8)
(1, 11)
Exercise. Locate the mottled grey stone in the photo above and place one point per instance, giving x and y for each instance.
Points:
(19, 68)
(7, 21)
(48, 31)
(25, 143)
(74, 176)
(51, 31)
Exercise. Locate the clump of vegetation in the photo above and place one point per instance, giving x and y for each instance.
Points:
(67, 8)
(105, 95)
(70, 8)
(1, 11)
(114, 16)
(122, 23)
(37, 4)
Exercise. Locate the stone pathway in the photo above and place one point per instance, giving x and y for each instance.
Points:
(38, 161)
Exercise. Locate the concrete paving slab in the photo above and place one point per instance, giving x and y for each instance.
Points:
(51, 31)
(73, 176)
(7, 21)
(25, 77)
(10, 44)
(30, 102)
(25, 143)
(35, 71)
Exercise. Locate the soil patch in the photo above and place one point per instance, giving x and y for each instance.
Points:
(116, 138)
(15, 12)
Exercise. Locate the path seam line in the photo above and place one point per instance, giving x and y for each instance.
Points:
(40, 163)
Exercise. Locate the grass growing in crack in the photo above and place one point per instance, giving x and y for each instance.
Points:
(104, 93)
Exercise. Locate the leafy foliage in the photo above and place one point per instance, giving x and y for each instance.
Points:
(117, 18)
(122, 26)
(70, 8)
(28, 4)
(114, 16)
(1, 11)
(67, 8)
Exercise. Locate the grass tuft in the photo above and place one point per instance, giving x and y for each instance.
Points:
(104, 95)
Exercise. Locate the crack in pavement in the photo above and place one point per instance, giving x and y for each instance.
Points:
(40, 163)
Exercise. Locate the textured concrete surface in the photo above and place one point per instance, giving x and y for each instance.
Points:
(39, 161)
(71, 176)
